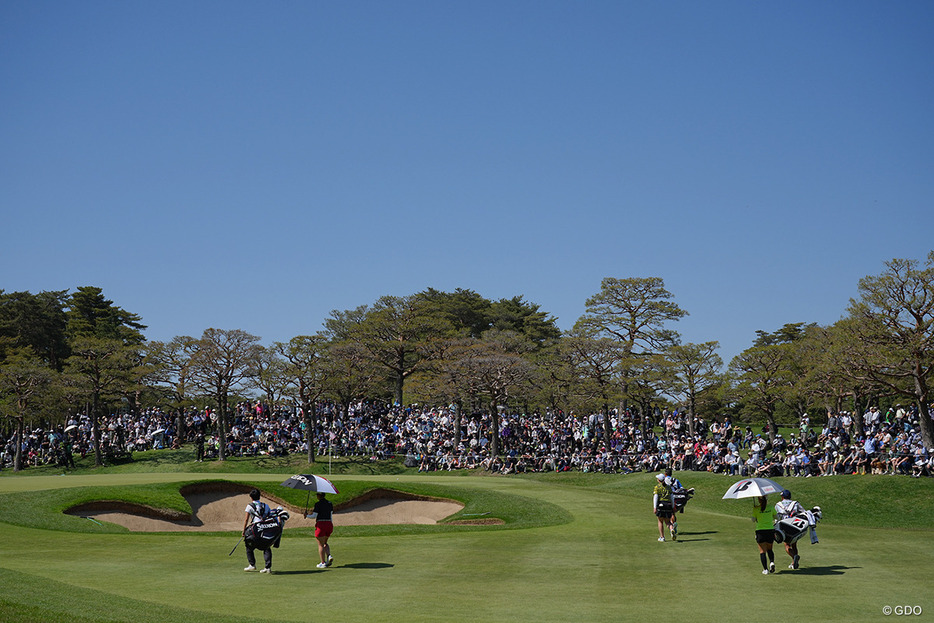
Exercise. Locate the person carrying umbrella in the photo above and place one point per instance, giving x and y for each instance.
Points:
(764, 516)
(322, 512)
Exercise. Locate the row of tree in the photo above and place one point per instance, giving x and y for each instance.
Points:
(80, 352)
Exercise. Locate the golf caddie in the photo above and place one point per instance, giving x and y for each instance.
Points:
(256, 513)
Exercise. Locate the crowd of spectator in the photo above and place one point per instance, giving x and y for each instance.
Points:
(427, 438)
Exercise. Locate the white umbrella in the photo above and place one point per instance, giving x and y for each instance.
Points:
(752, 488)
(70, 428)
(309, 483)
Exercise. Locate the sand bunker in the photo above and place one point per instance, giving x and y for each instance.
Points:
(219, 507)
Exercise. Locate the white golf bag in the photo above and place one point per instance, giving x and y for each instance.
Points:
(790, 529)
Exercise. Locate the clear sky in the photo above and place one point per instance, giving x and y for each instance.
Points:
(255, 165)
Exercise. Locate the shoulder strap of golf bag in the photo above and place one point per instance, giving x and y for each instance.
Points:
(262, 509)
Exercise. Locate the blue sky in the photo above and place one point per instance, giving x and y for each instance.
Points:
(254, 166)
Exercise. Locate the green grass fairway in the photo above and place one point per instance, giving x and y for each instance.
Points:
(591, 555)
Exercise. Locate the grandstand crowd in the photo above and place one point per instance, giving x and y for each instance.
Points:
(888, 443)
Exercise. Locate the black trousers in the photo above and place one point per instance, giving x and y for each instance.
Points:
(251, 558)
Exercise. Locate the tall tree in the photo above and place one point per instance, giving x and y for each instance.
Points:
(465, 310)
(649, 379)
(556, 379)
(763, 377)
(170, 371)
(799, 361)
(36, 321)
(634, 312)
(102, 370)
(788, 333)
(596, 360)
(24, 378)
(840, 370)
(696, 369)
(221, 361)
(470, 314)
(395, 332)
(808, 384)
(172, 366)
(895, 316)
(341, 325)
(90, 313)
(350, 373)
(494, 367)
(527, 319)
(269, 374)
(306, 373)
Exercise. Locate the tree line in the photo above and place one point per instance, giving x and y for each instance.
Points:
(78, 352)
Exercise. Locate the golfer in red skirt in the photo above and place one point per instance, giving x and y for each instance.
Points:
(322, 512)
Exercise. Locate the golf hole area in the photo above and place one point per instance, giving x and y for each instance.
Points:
(220, 507)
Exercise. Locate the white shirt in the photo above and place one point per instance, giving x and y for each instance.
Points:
(787, 508)
(257, 514)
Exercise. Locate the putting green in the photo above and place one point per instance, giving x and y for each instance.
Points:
(605, 565)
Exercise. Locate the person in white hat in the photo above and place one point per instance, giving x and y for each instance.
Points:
(663, 508)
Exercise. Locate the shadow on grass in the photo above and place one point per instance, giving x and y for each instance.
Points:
(368, 565)
(831, 570)
(357, 565)
(680, 533)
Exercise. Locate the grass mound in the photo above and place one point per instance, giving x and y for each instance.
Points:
(60, 509)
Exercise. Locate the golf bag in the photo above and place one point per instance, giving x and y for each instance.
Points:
(267, 532)
(681, 497)
(790, 529)
(664, 506)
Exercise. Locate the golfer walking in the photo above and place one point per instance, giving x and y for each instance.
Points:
(322, 512)
(663, 507)
(784, 509)
(256, 511)
(764, 516)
